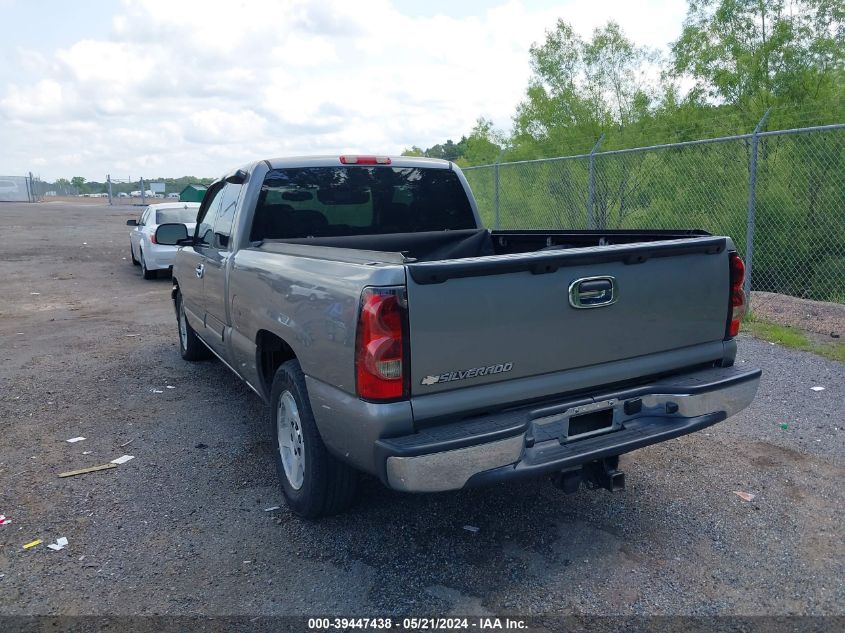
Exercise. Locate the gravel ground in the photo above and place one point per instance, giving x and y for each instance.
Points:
(820, 317)
(181, 529)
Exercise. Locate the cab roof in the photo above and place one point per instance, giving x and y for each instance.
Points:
(335, 161)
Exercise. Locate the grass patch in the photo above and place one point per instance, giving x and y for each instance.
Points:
(794, 338)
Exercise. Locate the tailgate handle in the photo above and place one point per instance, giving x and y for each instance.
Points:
(592, 292)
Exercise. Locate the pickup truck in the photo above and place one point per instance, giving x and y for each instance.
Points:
(392, 334)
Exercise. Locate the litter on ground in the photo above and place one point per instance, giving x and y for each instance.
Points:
(32, 544)
(4, 520)
(817, 388)
(127, 443)
(270, 509)
(171, 387)
(122, 459)
(60, 544)
(156, 390)
(471, 528)
(745, 496)
(90, 469)
(74, 440)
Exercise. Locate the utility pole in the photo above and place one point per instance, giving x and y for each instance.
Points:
(108, 180)
(143, 192)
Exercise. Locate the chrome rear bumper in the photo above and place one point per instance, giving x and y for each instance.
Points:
(536, 440)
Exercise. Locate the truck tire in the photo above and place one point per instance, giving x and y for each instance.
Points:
(314, 482)
(191, 347)
(148, 274)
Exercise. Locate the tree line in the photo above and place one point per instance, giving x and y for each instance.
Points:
(734, 60)
(81, 185)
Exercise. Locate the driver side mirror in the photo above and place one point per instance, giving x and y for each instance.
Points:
(131, 222)
(171, 234)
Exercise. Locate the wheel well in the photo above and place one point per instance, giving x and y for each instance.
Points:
(271, 352)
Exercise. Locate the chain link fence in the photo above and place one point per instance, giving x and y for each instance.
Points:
(17, 189)
(31, 189)
(780, 195)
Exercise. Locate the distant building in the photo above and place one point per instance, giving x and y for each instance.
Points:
(193, 193)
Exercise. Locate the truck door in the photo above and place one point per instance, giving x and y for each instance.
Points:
(192, 281)
(217, 257)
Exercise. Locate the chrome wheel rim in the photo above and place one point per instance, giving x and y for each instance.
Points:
(183, 328)
(291, 445)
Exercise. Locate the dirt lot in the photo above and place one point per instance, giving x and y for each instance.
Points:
(88, 349)
(819, 317)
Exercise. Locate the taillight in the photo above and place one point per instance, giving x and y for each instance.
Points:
(738, 305)
(153, 238)
(365, 160)
(380, 359)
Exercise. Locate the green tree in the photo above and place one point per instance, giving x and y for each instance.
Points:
(79, 183)
(483, 146)
(414, 151)
(752, 54)
(579, 89)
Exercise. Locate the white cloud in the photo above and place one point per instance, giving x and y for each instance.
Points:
(194, 87)
(217, 126)
(44, 99)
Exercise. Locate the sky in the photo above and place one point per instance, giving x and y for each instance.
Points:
(167, 88)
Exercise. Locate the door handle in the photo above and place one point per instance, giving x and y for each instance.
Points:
(595, 289)
(593, 292)
(200, 270)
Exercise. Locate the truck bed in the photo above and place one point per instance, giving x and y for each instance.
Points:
(433, 246)
(496, 306)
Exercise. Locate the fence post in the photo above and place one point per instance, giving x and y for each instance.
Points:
(591, 193)
(752, 201)
(108, 180)
(143, 192)
(497, 222)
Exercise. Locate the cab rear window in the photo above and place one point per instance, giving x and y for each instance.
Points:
(177, 216)
(357, 200)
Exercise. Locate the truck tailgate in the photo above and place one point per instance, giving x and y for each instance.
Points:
(489, 319)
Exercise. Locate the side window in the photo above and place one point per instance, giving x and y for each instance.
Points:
(223, 224)
(205, 220)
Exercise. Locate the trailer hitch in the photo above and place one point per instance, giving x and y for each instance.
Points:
(602, 473)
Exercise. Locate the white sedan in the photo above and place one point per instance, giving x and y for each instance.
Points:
(145, 252)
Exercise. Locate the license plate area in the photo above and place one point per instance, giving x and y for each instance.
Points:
(579, 422)
(590, 422)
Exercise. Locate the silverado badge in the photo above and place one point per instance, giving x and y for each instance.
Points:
(463, 374)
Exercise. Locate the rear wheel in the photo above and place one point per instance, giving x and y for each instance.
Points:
(314, 482)
(132, 254)
(190, 346)
(146, 272)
